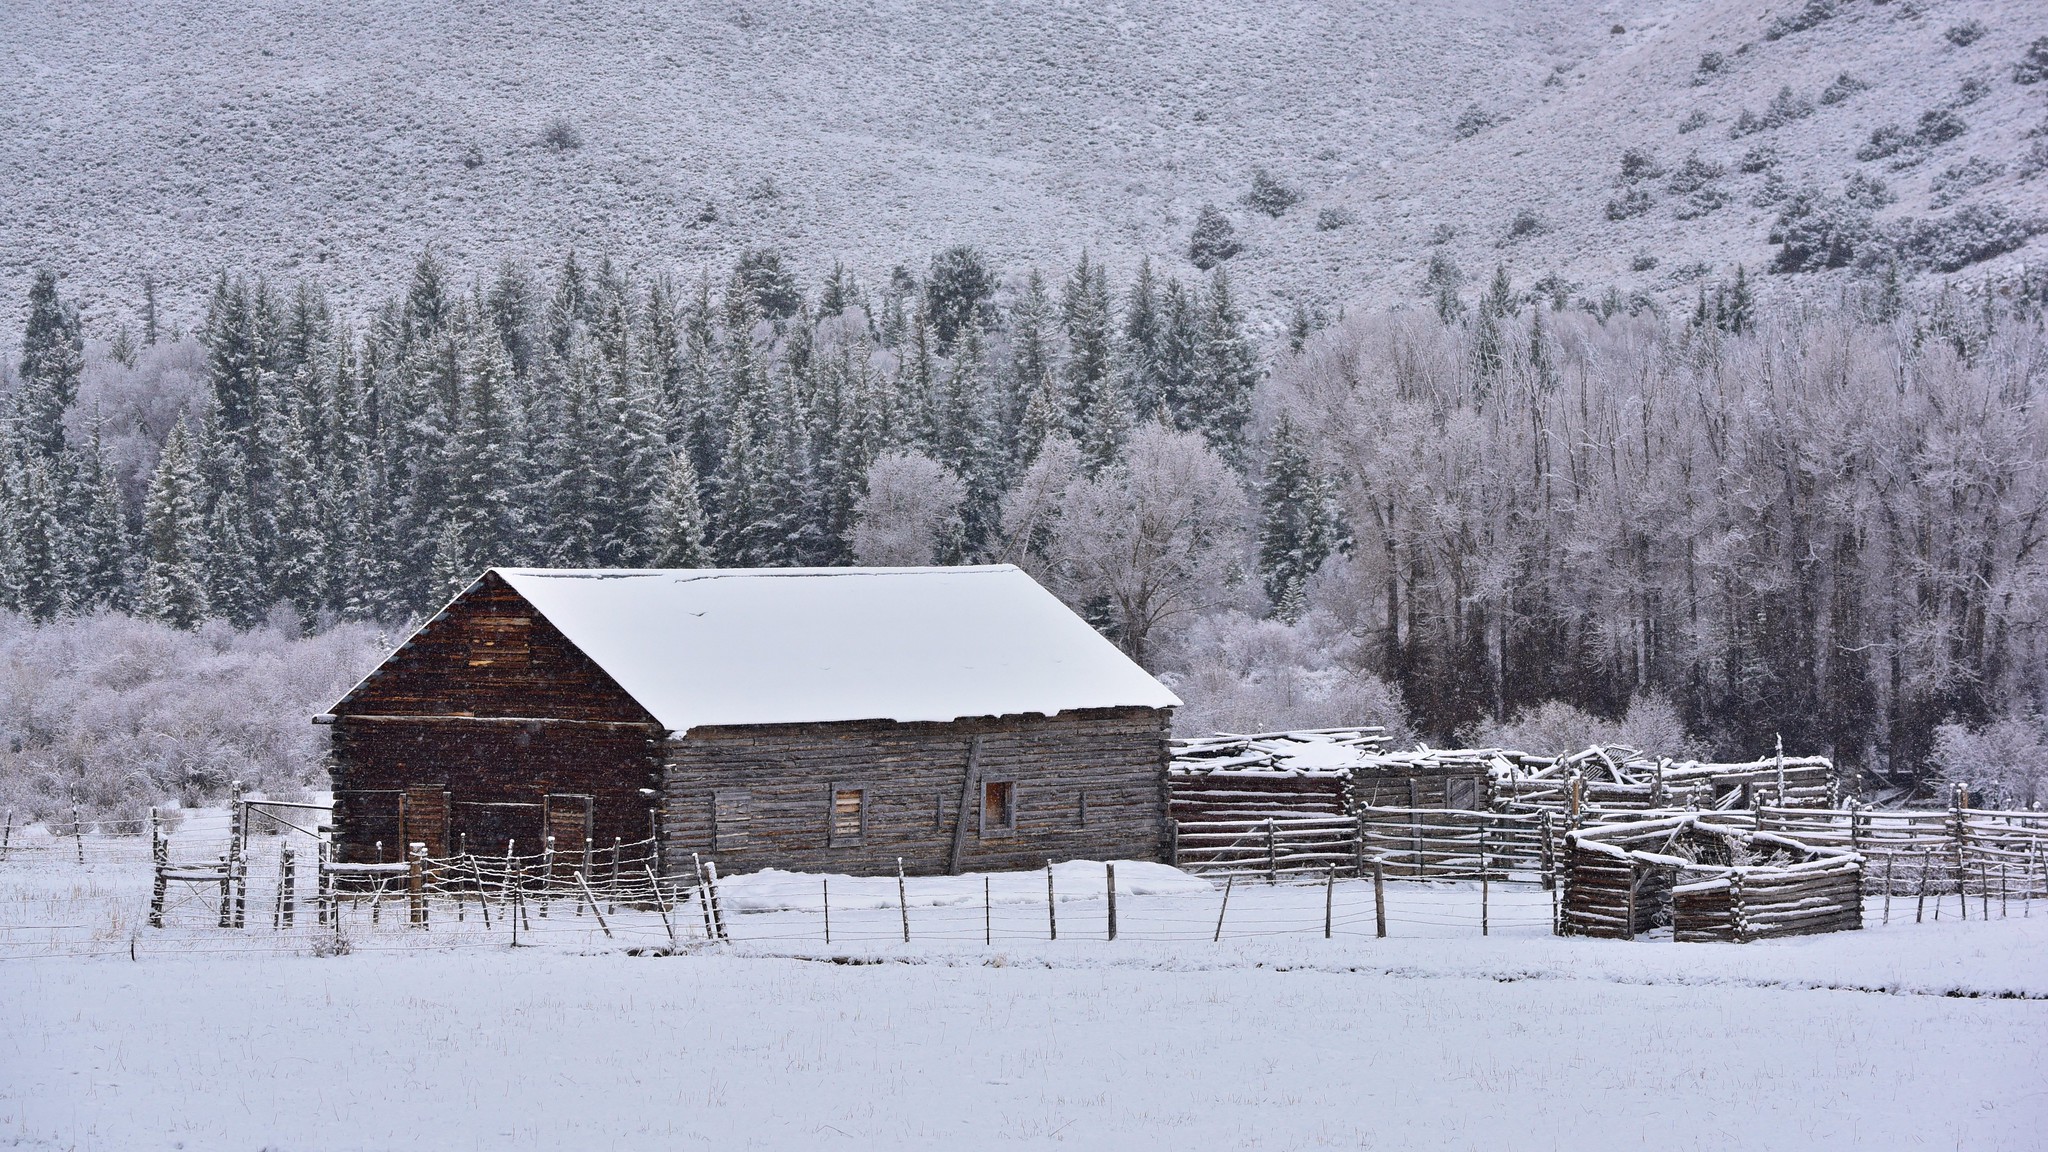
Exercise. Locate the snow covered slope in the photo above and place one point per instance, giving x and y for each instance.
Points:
(299, 137)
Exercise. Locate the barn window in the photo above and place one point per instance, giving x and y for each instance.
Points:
(998, 807)
(849, 816)
(730, 814)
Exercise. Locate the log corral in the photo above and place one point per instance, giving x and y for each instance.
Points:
(831, 720)
(1705, 880)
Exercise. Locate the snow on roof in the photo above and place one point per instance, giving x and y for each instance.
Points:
(701, 647)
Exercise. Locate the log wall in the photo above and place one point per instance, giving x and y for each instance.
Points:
(499, 711)
(1087, 785)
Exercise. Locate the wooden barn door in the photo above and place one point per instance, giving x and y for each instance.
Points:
(423, 819)
(567, 818)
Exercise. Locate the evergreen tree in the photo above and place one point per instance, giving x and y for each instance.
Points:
(839, 292)
(293, 522)
(52, 358)
(915, 421)
(1143, 337)
(234, 355)
(42, 545)
(1226, 374)
(174, 577)
(678, 518)
(510, 309)
(1180, 355)
(1098, 415)
(1441, 284)
(1297, 528)
(99, 532)
(1031, 377)
(234, 587)
(149, 317)
(955, 292)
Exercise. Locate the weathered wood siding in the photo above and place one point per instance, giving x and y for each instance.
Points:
(1089, 785)
(496, 707)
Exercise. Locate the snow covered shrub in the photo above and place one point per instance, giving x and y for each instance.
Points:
(1816, 231)
(1331, 218)
(1841, 88)
(1214, 239)
(2032, 67)
(1971, 90)
(1816, 13)
(1966, 33)
(1651, 726)
(1938, 127)
(1526, 223)
(1639, 164)
(128, 713)
(1237, 673)
(911, 513)
(1269, 195)
(2005, 762)
(1710, 64)
(1885, 140)
(1970, 234)
(1642, 262)
(1694, 174)
(1701, 202)
(1472, 121)
(1960, 178)
(1631, 203)
(1694, 121)
(559, 135)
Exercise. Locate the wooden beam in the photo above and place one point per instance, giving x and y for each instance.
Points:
(966, 798)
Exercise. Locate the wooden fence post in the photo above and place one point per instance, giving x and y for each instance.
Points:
(827, 882)
(1889, 860)
(1379, 898)
(1329, 898)
(227, 895)
(1628, 931)
(584, 884)
(77, 829)
(988, 922)
(1549, 852)
(1485, 895)
(287, 885)
(1738, 912)
(415, 884)
(1228, 883)
(1110, 870)
(1052, 916)
(1272, 869)
(7, 836)
(903, 899)
(668, 926)
(547, 873)
(716, 905)
(1920, 912)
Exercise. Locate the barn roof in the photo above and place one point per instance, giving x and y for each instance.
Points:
(699, 647)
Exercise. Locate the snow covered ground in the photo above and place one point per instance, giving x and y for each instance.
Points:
(1904, 1035)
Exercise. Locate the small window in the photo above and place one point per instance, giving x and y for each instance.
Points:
(849, 816)
(998, 807)
(731, 812)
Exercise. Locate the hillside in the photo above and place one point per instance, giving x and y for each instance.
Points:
(169, 139)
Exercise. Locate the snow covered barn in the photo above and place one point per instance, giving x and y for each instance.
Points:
(827, 719)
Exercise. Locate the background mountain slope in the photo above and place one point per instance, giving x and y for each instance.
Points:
(172, 139)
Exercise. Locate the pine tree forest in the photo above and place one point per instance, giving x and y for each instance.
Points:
(1820, 523)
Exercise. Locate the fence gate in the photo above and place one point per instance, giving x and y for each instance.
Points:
(423, 818)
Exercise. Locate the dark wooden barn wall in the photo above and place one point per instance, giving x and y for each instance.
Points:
(1113, 761)
(490, 701)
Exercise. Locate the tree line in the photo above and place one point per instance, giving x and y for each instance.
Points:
(1820, 522)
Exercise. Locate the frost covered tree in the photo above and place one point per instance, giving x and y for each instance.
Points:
(911, 513)
(1152, 539)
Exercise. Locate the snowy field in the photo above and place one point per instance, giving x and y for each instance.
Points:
(1902, 1036)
